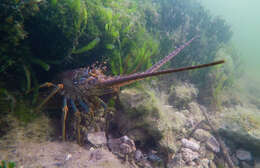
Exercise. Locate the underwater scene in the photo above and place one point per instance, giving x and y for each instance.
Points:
(129, 84)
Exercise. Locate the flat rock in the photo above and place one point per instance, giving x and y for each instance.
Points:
(97, 138)
(243, 155)
(190, 144)
(201, 135)
(213, 144)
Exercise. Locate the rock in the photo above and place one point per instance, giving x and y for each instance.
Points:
(243, 155)
(97, 138)
(257, 164)
(240, 125)
(210, 155)
(201, 135)
(213, 144)
(205, 163)
(203, 150)
(235, 160)
(246, 165)
(193, 164)
(138, 155)
(122, 146)
(182, 94)
(190, 144)
(154, 158)
(212, 164)
(68, 157)
(188, 155)
(152, 118)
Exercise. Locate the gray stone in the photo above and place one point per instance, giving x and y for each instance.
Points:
(190, 144)
(188, 155)
(138, 155)
(201, 135)
(213, 144)
(243, 155)
(240, 125)
(210, 155)
(122, 146)
(235, 160)
(212, 164)
(97, 138)
(205, 163)
(182, 94)
(246, 165)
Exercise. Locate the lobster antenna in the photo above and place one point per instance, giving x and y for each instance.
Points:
(125, 80)
(156, 66)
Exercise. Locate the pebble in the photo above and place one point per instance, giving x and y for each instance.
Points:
(154, 158)
(138, 155)
(190, 144)
(243, 155)
(188, 155)
(213, 144)
(68, 157)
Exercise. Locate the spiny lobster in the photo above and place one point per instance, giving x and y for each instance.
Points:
(84, 86)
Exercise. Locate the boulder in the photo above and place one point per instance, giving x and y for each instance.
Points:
(241, 126)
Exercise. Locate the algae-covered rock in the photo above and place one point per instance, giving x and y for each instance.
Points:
(146, 117)
(182, 94)
(241, 125)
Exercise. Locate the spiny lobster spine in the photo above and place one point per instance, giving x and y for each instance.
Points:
(156, 66)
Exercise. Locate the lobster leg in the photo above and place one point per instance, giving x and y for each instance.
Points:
(78, 120)
(102, 103)
(108, 113)
(55, 90)
(84, 105)
(64, 117)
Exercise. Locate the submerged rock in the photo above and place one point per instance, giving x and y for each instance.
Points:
(241, 126)
(188, 155)
(190, 144)
(213, 144)
(182, 94)
(97, 138)
(122, 146)
(243, 155)
(201, 135)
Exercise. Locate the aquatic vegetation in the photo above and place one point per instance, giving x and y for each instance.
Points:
(43, 38)
(5, 164)
(88, 47)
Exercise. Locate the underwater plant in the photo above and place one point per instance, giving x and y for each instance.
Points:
(42, 38)
(5, 164)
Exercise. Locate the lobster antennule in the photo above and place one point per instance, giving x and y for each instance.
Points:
(125, 80)
(156, 66)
